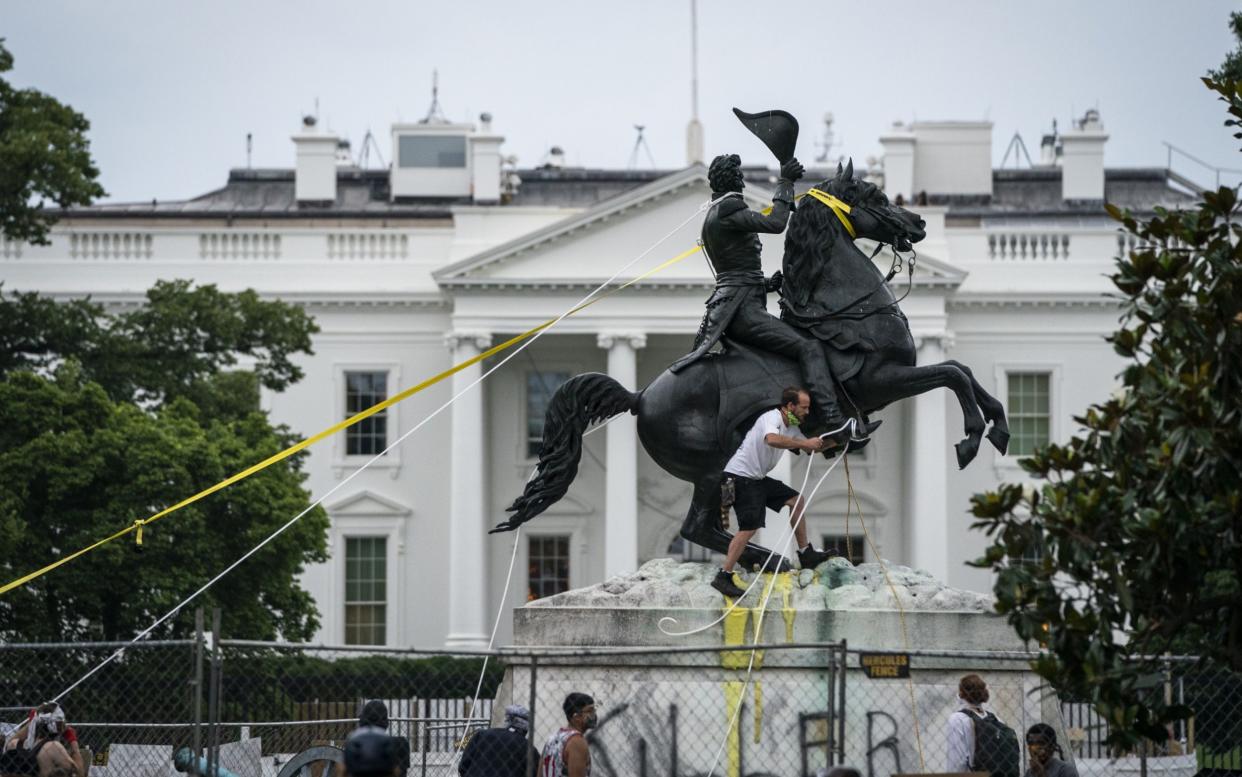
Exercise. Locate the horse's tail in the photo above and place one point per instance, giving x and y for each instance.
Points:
(579, 402)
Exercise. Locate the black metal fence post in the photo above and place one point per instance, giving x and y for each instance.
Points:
(198, 684)
(213, 697)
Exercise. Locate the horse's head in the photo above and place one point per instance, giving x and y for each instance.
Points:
(871, 215)
(846, 208)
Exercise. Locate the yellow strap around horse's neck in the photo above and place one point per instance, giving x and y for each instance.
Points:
(836, 206)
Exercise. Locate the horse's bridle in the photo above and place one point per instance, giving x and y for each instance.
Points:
(842, 210)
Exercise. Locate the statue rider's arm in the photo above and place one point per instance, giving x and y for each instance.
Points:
(747, 220)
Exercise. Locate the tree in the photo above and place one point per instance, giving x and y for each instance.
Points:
(1138, 530)
(44, 156)
(107, 418)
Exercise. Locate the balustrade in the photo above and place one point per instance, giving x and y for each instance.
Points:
(1028, 245)
(110, 245)
(239, 245)
(358, 245)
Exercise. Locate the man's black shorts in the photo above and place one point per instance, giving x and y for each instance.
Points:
(753, 497)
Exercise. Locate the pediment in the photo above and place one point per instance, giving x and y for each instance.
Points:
(368, 504)
(594, 244)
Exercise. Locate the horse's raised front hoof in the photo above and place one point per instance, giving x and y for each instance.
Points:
(999, 438)
(966, 451)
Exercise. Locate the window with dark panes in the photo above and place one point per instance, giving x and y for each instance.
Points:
(431, 151)
(362, 390)
(547, 562)
(852, 547)
(366, 590)
(539, 389)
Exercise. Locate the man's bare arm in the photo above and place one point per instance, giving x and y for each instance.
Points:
(775, 440)
(577, 756)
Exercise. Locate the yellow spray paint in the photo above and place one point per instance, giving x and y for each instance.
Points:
(735, 634)
(785, 584)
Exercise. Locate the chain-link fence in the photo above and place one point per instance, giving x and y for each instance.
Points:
(267, 710)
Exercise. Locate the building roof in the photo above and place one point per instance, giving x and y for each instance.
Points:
(269, 193)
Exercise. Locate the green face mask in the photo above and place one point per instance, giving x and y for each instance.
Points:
(791, 419)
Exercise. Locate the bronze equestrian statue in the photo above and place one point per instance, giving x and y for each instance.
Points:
(691, 418)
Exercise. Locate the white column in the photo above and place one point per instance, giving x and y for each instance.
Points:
(467, 580)
(621, 484)
(927, 519)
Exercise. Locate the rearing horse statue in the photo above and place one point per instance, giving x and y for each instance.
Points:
(692, 421)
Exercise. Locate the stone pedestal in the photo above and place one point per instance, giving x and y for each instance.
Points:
(667, 712)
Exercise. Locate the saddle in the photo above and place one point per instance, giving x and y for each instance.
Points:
(751, 382)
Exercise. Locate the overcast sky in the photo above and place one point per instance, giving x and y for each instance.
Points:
(172, 88)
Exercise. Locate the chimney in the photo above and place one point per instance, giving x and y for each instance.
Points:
(344, 154)
(1048, 151)
(314, 178)
(898, 162)
(556, 158)
(1082, 159)
(485, 162)
(953, 157)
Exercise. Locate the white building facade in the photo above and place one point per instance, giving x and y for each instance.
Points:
(411, 270)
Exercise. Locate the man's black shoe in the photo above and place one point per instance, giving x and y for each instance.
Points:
(811, 558)
(723, 582)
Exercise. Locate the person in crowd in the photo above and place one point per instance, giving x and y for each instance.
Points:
(371, 752)
(45, 744)
(1041, 742)
(566, 753)
(505, 751)
(972, 696)
(979, 741)
(374, 717)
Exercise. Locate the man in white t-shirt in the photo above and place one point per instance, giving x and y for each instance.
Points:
(747, 486)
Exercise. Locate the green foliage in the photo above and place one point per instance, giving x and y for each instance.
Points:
(1139, 526)
(44, 158)
(176, 345)
(1231, 69)
(106, 419)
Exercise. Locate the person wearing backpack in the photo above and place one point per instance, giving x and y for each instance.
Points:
(979, 741)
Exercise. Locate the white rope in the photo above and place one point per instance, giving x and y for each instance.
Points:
(504, 597)
(668, 619)
(523, 346)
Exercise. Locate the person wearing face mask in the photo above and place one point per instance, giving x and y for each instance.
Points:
(746, 486)
(1041, 742)
(566, 753)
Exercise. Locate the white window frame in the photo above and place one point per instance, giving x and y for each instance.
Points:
(556, 526)
(524, 459)
(1007, 465)
(388, 527)
(342, 461)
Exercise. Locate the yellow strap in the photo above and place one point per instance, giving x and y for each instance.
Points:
(836, 206)
(348, 422)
